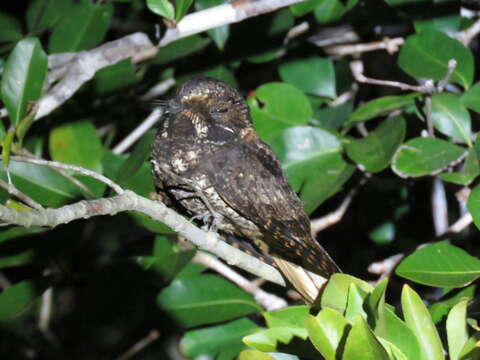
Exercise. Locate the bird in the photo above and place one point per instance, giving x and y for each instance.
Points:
(209, 163)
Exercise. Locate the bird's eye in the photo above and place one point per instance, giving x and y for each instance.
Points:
(221, 110)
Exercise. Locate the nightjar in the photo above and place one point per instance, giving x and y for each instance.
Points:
(208, 162)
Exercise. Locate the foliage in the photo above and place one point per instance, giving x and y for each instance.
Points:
(112, 280)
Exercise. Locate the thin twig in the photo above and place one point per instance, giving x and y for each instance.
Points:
(74, 168)
(391, 45)
(268, 301)
(439, 207)
(385, 267)
(137, 133)
(18, 194)
(152, 336)
(452, 64)
(158, 90)
(46, 310)
(334, 217)
(467, 35)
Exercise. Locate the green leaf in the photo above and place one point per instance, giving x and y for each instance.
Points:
(254, 355)
(425, 156)
(114, 77)
(362, 344)
(457, 334)
(380, 106)
(332, 117)
(440, 264)
(216, 340)
(83, 28)
(331, 10)
(268, 340)
(205, 299)
(182, 7)
(136, 159)
(162, 7)
(44, 14)
(77, 143)
(449, 25)
(267, 56)
(451, 118)
(180, 49)
(473, 205)
(276, 106)
(426, 55)
(336, 292)
(220, 34)
(41, 183)
(400, 335)
(420, 322)
(314, 75)
(312, 160)
(23, 78)
(355, 301)
(222, 73)
(471, 350)
(375, 151)
(471, 98)
(304, 7)
(10, 28)
(439, 310)
(292, 317)
(469, 171)
(16, 299)
(326, 331)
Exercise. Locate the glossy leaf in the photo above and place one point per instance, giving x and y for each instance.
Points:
(220, 34)
(426, 55)
(276, 106)
(469, 171)
(162, 7)
(420, 322)
(471, 98)
(451, 118)
(326, 331)
(292, 317)
(425, 156)
(379, 107)
(205, 299)
(304, 7)
(355, 301)
(77, 143)
(44, 14)
(181, 9)
(447, 24)
(312, 160)
(314, 75)
(440, 309)
(23, 78)
(16, 299)
(269, 339)
(115, 77)
(375, 151)
(331, 10)
(471, 350)
(10, 28)
(336, 292)
(332, 117)
(180, 48)
(440, 264)
(254, 355)
(457, 334)
(82, 28)
(362, 344)
(41, 183)
(216, 340)
(473, 205)
(400, 335)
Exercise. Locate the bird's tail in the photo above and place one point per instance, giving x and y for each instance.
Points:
(308, 285)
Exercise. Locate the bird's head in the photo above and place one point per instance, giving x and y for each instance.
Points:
(207, 109)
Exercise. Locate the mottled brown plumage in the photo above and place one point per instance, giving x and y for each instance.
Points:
(207, 146)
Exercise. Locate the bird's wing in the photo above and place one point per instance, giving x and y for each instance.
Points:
(249, 178)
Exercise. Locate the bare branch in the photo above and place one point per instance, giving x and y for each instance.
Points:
(213, 17)
(467, 35)
(439, 207)
(77, 169)
(140, 345)
(391, 45)
(74, 69)
(161, 88)
(18, 194)
(268, 301)
(332, 218)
